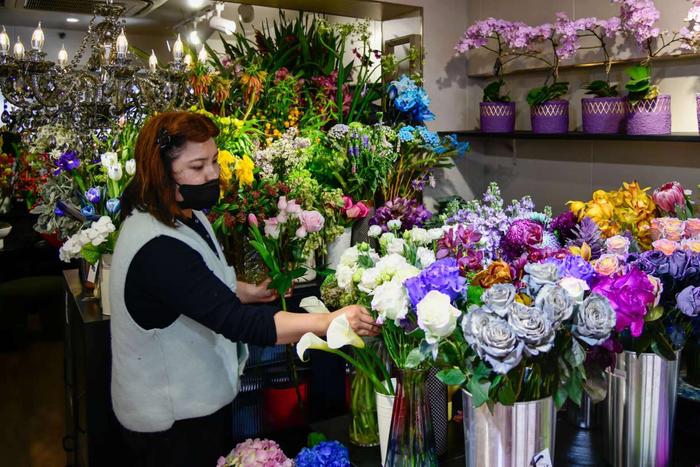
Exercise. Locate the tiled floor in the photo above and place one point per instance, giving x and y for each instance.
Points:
(32, 406)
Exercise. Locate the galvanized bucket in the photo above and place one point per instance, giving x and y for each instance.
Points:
(640, 410)
(511, 435)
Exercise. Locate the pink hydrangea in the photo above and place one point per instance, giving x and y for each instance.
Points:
(256, 453)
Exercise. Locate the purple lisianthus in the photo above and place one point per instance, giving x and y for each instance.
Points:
(93, 195)
(521, 235)
(688, 301)
(575, 266)
(630, 296)
(443, 275)
(67, 162)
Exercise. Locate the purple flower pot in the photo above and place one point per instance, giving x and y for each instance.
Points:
(497, 117)
(550, 117)
(649, 116)
(603, 114)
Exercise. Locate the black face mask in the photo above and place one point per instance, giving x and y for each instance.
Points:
(200, 197)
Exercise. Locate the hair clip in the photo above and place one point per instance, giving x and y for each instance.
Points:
(164, 140)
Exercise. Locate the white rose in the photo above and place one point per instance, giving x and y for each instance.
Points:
(574, 287)
(436, 316)
(114, 172)
(394, 224)
(130, 166)
(419, 236)
(374, 231)
(396, 246)
(390, 301)
(343, 275)
(390, 265)
(426, 257)
(435, 234)
(109, 159)
(369, 280)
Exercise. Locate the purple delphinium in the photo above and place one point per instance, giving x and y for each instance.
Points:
(410, 212)
(67, 162)
(443, 275)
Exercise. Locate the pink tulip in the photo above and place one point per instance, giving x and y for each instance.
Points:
(272, 228)
(252, 220)
(301, 232)
(669, 196)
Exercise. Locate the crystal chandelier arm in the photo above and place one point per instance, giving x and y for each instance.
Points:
(12, 96)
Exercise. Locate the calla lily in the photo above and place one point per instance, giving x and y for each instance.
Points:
(310, 341)
(313, 305)
(341, 334)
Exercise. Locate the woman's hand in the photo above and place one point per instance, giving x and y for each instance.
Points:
(251, 293)
(360, 320)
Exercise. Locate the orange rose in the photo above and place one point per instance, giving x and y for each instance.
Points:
(669, 228)
(607, 265)
(666, 246)
(498, 272)
(692, 228)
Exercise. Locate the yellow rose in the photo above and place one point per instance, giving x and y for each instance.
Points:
(691, 245)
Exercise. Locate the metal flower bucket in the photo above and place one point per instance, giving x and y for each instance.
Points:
(510, 435)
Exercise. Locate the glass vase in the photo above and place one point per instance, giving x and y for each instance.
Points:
(364, 429)
(411, 440)
(692, 362)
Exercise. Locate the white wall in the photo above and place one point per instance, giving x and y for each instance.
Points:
(555, 171)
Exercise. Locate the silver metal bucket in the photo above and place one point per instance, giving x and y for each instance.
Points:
(510, 436)
(640, 410)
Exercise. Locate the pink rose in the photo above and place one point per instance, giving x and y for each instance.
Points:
(311, 221)
(669, 228)
(667, 247)
(272, 228)
(347, 203)
(607, 265)
(692, 228)
(669, 196)
(252, 220)
(358, 211)
(618, 245)
(691, 244)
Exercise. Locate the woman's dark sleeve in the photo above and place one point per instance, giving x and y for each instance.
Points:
(167, 278)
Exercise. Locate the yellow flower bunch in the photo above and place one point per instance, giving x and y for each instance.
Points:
(226, 161)
(238, 168)
(628, 209)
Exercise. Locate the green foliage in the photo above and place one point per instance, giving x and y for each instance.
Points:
(543, 94)
(602, 88)
(639, 85)
(492, 92)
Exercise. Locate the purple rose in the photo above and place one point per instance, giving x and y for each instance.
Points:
(575, 266)
(630, 296)
(688, 301)
(521, 235)
(653, 262)
(683, 265)
(443, 276)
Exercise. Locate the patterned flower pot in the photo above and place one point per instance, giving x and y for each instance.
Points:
(603, 114)
(497, 117)
(550, 117)
(649, 116)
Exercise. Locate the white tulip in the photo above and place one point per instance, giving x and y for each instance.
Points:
(130, 166)
(109, 159)
(114, 172)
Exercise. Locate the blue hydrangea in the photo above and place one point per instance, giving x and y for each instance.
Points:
(406, 133)
(325, 454)
(430, 138)
(460, 146)
(411, 99)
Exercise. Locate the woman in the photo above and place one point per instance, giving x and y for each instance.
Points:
(180, 320)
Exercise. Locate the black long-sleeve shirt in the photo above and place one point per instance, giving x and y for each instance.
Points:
(167, 278)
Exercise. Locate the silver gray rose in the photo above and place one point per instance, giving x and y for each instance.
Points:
(533, 326)
(498, 298)
(472, 323)
(540, 274)
(498, 345)
(556, 302)
(595, 320)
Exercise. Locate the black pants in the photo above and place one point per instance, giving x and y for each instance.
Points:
(192, 442)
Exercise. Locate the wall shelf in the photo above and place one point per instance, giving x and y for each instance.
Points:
(688, 137)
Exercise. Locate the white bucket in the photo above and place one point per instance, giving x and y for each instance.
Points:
(385, 408)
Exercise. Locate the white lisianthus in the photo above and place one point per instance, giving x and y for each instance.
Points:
(419, 236)
(369, 280)
(386, 238)
(71, 248)
(425, 256)
(436, 234)
(109, 159)
(349, 256)
(340, 334)
(574, 287)
(406, 272)
(343, 275)
(390, 264)
(394, 224)
(130, 167)
(374, 231)
(114, 172)
(310, 341)
(436, 316)
(390, 301)
(396, 246)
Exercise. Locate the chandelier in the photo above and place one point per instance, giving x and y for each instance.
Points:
(112, 83)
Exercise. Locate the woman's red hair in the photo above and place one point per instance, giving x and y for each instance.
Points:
(152, 189)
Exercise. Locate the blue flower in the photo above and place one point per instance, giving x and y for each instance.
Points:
(406, 133)
(325, 454)
(430, 138)
(113, 205)
(93, 195)
(460, 146)
(88, 211)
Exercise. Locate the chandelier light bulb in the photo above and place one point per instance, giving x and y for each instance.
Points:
(18, 49)
(153, 61)
(4, 42)
(122, 45)
(38, 38)
(178, 49)
(62, 57)
(194, 37)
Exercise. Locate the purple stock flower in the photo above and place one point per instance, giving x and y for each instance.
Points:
(67, 162)
(688, 301)
(630, 296)
(410, 212)
(93, 195)
(443, 275)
